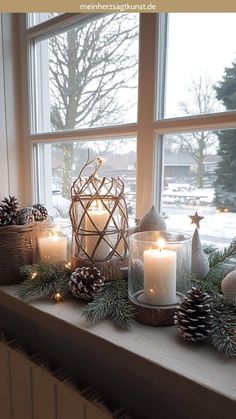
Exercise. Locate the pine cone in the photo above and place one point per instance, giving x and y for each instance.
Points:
(85, 282)
(24, 216)
(37, 214)
(42, 210)
(8, 208)
(5, 219)
(193, 316)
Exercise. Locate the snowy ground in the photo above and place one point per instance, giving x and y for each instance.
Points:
(218, 228)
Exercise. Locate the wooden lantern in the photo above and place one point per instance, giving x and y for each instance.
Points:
(99, 220)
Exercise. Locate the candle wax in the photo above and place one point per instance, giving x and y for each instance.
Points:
(99, 219)
(159, 276)
(53, 249)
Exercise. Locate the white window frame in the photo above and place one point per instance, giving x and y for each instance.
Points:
(150, 127)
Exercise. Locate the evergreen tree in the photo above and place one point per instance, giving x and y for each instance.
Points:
(225, 182)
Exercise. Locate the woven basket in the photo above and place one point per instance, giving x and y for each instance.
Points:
(17, 248)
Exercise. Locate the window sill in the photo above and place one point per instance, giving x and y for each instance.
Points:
(146, 368)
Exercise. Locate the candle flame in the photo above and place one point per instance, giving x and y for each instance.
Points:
(98, 205)
(161, 243)
(57, 228)
(55, 236)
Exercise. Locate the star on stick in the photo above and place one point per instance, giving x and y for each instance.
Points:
(196, 219)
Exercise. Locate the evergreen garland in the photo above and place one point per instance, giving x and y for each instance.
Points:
(111, 303)
(42, 279)
(223, 329)
(219, 256)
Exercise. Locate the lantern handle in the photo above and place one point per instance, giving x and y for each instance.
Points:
(98, 160)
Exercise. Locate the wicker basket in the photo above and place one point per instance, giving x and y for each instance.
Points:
(17, 248)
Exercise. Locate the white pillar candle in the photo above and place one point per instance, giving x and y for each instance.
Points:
(53, 248)
(96, 221)
(159, 276)
(178, 248)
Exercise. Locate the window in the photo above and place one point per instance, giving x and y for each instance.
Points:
(94, 84)
(37, 18)
(86, 76)
(66, 159)
(198, 165)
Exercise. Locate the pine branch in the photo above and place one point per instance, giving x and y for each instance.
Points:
(43, 279)
(223, 331)
(209, 248)
(219, 256)
(111, 303)
(212, 283)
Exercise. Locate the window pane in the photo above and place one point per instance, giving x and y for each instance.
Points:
(199, 175)
(87, 76)
(36, 18)
(59, 165)
(200, 48)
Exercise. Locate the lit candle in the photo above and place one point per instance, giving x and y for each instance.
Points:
(96, 221)
(53, 248)
(159, 275)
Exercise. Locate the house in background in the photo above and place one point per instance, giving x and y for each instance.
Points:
(182, 167)
(178, 165)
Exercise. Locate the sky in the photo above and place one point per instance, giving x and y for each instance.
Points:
(199, 43)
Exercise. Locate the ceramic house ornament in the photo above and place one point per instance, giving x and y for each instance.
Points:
(200, 264)
(153, 220)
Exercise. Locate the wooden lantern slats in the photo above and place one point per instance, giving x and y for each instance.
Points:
(104, 195)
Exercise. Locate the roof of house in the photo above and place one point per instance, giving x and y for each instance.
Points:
(179, 159)
(212, 158)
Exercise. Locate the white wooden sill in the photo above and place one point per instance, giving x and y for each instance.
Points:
(150, 369)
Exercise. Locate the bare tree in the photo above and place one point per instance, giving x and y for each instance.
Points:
(90, 66)
(202, 100)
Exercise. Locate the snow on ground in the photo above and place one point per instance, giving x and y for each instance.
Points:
(218, 228)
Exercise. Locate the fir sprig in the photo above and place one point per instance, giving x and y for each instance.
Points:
(111, 303)
(212, 283)
(209, 248)
(218, 256)
(223, 330)
(42, 279)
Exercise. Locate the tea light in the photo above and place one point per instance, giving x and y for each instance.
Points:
(159, 275)
(53, 248)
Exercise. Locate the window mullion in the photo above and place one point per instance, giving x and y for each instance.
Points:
(200, 122)
(146, 113)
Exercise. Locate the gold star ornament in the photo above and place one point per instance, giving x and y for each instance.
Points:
(196, 219)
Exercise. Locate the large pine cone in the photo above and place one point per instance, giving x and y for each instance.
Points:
(193, 316)
(85, 282)
(24, 216)
(8, 210)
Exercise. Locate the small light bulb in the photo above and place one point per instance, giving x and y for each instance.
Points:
(68, 265)
(101, 160)
(33, 275)
(58, 297)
